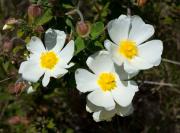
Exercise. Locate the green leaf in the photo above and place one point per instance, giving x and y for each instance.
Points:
(97, 29)
(67, 6)
(6, 66)
(79, 45)
(69, 23)
(51, 124)
(168, 20)
(105, 10)
(5, 96)
(98, 44)
(69, 130)
(46, 17)
(17, 49)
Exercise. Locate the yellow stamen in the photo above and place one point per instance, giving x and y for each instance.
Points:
(107, 81)
(128, 49)
(48, 60)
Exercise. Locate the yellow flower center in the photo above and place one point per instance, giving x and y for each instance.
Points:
(128, 49)
(48, 60)
(107, 81)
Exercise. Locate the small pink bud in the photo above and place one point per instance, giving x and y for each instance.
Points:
(141, 3)
(34, 11)
(83, 28)
(14, 120)
(17, 87)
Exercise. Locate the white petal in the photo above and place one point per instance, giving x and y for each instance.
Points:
(151, 51)
(61, 37)
(103, 115)
(141, 63)
(31, 71)
(100, 62)
(67, 52)
(102, 99)
(70, 65)
(58, 72)
(140, 31)
(129, 68)
(46, 79)
(85, 80)
(124, 111)
(96, 116)
(118, 28)
(157, 62)
(123, 95)
(92, 108)
(88, 109)
(113, 51)
(123, 75)
(22, 66)
(35, 45)
(132, 85)
(107, 44)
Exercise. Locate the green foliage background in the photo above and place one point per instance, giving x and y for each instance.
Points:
(60, 108)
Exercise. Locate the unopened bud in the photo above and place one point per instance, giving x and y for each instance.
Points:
(10, 23)
(17, 87)
(83, 28)
(34, 11)
(14, 120)
(141, 2)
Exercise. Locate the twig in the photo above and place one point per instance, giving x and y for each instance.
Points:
(76, 11)
(128, 11)
(3, 109)
(158, 83)
(6, 79)
(171, 61)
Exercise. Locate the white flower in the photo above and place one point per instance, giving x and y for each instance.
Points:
(49, 62)
(104, 83)
(100, 114)
(129, 47)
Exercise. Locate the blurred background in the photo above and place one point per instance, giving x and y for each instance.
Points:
(60, 108)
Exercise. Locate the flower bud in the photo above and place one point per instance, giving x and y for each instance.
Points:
(9, 24)
(141, 2)
(17, 87)
(83, 28)
(34, 11)
(14, 120)
(11, 21)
